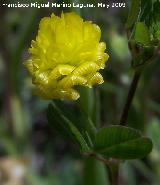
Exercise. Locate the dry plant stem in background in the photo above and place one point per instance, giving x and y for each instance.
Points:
(7, 58)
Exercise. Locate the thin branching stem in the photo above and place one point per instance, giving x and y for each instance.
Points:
(131, 93)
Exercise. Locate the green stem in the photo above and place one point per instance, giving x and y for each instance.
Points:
(132, 18)
(130, 97)
(133, 13)
(114, 170)
(112, 166)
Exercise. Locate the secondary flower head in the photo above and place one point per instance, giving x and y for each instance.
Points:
(67, 52)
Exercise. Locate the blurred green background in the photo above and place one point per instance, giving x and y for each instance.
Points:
(31, 153)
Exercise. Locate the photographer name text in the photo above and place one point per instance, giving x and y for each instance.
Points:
(65, 5)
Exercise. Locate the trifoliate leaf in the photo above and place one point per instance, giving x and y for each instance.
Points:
(122, 143)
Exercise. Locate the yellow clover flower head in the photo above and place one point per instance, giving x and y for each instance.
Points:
(67, 52)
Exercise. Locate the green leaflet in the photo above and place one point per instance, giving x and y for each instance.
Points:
(122, 143)
(66, 127)
(142, 34)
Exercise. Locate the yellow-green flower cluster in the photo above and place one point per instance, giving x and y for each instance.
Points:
(67, 52)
